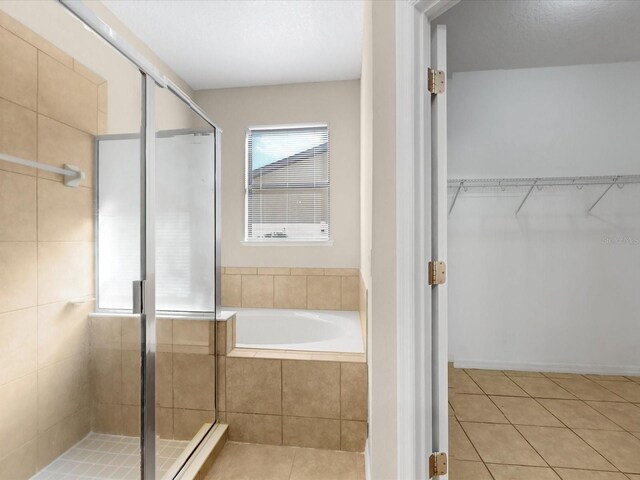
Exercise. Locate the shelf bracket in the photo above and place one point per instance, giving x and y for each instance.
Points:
(526, 196)
(456, 197)
(615, 180)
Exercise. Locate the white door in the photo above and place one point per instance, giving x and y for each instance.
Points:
(439, 337)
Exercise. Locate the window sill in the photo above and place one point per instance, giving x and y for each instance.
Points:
(284, 243)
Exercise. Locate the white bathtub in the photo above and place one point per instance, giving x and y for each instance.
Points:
(312, 330)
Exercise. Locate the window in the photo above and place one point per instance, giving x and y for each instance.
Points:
(287, 184)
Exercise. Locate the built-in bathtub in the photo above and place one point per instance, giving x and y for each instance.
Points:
(305, 330)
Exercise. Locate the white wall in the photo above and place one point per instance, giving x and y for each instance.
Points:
(554, 288)
(334, 103)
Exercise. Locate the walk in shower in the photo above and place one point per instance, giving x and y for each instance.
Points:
(108, 254)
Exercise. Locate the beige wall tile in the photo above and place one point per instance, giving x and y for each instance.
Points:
(131, 420)
(353, 435)
(191, 332)
(17, 135)
(310, 388)
(342, 272)
(59, 144)
(240, 270)
(17, 208)
(307, 271)
(106, 375)
(127, 337)
(103, 123)
(164, 422)
(63, 435)
(164, 379)
(350, 293)
(66, 95)
(231, 290)
(109, 332)
(18, 275)
(18, 413)
(186, 423)
(20, 463)
(18, 340)
(103, 97)
(257, 291)
(18, 70)
(131, 377)
(324, 293)
(106, 418)
(34, 39)
(65, 271)
(64, 214)
(290, 291)
(63, 389)
(88, 74)
(253, 386)
(251, 428)
(63, 331)
(221, 338)
(311, 432)
(353, 391)
(221, 385)
(193, 381)
(164, 331)
(274, 271)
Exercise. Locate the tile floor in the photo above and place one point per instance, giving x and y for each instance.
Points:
(506, 425)
(244, 461)
(101, 457)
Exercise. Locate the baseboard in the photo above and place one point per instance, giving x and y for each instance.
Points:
(551, 367)
(367, 460)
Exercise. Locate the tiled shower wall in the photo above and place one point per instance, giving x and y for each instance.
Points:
(185, 375)
(50, 110)
(278, 287)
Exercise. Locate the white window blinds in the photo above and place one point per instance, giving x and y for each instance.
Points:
(288, 184)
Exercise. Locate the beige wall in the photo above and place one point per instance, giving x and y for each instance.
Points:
(378, 212)
(51, 21)
(49, 112)
(334, 103)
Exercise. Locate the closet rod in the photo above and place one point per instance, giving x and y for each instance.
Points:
(73, 175)
(539, 182)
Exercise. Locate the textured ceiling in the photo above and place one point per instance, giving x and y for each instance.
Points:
(222, 43)
(505, 34)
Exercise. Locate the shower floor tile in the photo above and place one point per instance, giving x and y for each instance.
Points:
(99, 457)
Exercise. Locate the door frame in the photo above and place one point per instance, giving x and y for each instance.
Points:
(414, 241)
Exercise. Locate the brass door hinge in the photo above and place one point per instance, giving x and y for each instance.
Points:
(437, 272)
(437, 464)
(435, 81)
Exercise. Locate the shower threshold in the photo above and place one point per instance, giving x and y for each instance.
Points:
(99, 456)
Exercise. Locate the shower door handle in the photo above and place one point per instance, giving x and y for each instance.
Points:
(138, 296)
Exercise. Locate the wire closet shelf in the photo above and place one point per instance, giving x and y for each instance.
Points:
(464, 184)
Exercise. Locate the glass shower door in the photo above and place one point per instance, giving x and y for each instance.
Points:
(185, 265)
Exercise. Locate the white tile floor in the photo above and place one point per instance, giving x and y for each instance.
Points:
(100, 457)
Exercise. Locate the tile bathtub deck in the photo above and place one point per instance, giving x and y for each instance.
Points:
(101, 457)
(543, 426)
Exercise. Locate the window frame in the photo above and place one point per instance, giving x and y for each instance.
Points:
(284, 241)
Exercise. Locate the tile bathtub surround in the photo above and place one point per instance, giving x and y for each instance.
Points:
(282, 287)
(303, 403)
(550, 433)
(49, 112)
